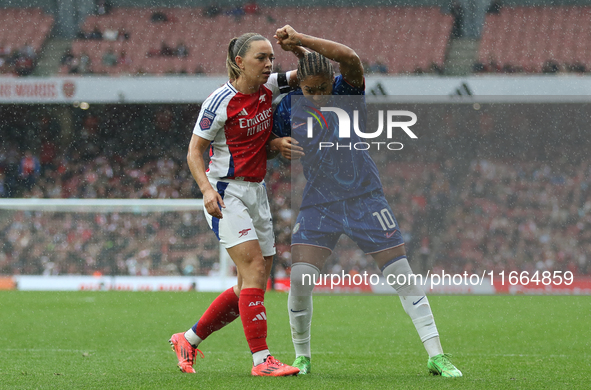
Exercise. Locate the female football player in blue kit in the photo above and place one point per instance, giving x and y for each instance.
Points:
(343, 194)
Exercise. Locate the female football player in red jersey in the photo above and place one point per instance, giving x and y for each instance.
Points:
(235, 124)
(343, 194)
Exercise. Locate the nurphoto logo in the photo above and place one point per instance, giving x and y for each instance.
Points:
(392, 122)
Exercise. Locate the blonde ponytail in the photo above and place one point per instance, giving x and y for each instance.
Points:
(239, 47)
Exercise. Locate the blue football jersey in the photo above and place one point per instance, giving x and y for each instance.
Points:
(337, 172)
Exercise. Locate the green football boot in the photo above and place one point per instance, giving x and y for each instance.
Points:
(441, 365)
(303, 363)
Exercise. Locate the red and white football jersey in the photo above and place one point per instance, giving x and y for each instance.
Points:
(238, 127)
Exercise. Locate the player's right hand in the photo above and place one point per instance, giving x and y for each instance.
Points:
(289, 148)
(287, 38)
(212, 201)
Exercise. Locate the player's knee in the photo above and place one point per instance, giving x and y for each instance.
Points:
(253, 271)
(399, 275)
(303, 277)
(383, 258)
(256, 264)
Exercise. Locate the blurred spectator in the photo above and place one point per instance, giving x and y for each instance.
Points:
(165, 50)
(154, 52)
(436, 69)
(47, 155)
(23, 64)
(576, 67)
(212, 10)
(20, 61)
(85, 63)
(103, 7)
(199, 69)
(3, 192)
(457, 12)
(237, 12)
(378, 67)
(10, 165)
(181, 50)
(74, 66)
(122, 34)
(5, 49)
(110, 34)
(110, 58)
(28, 51)
(478, 67)
(551, 66)
(495, 7)
(251, 8)
(158, 17)
(67, 57)
(95, 34)
(124, 59)
(29, 170)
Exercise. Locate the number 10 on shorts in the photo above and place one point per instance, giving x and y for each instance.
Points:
(386, 219)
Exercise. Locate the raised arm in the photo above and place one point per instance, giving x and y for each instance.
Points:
(349, 62)
(299, 52)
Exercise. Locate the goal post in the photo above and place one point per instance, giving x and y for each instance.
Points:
(141, 237)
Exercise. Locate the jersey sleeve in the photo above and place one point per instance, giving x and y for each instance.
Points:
(281, 118)
(278, 83)
(342, 87)
(212, 117)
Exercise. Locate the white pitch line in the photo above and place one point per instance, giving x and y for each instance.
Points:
(167, 350)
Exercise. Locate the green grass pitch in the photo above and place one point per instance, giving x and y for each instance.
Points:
(119, 340)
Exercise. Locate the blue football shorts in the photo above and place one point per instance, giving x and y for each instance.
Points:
(367, 219)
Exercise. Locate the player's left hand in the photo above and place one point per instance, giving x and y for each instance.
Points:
(288, 147)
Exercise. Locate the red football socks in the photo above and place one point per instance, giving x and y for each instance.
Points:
(254, 318)
(222, 311)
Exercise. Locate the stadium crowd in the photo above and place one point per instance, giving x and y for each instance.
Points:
(520, 216)
(17, 61)
(494, 203)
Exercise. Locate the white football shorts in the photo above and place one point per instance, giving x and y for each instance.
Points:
(247, 215)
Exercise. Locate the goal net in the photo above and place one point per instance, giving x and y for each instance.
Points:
(127, 237)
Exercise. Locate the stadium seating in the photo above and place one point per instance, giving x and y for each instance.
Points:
(404, 39)
(22, 28)
(530, 37)
(24, 25)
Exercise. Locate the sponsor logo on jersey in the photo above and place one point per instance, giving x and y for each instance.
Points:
(260, 122)
(259, 118)
(243, 112)
(243, 232)
(206, 120)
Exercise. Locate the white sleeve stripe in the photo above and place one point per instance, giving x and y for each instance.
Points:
(218, 99)
(231, 87)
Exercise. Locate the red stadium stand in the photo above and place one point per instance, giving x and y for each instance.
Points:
(22, 28)
(404, 39)
(529, 37)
